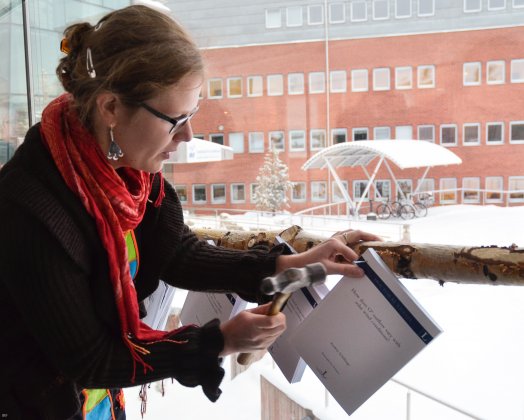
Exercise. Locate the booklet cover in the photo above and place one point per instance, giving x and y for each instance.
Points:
(202, 307)
(158, 306)
(362, 333)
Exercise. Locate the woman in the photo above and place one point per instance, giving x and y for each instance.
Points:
(82, 194)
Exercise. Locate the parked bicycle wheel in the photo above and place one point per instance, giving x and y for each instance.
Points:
(407, 212)
(383, 211)
(420, 210)
(395, 208)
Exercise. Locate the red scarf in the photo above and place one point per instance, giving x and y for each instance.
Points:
(117, 202)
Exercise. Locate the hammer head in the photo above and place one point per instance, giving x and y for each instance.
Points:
(294, 279)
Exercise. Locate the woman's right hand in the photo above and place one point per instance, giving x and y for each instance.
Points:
(252, 330)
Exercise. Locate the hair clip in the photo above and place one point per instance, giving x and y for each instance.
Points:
(64, 46)
(89, 64)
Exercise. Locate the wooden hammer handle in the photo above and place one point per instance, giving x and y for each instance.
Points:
(277, 304)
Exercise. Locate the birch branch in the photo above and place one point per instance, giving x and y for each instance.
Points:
(443, 263)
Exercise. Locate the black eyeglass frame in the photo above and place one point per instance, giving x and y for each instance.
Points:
(177, 122)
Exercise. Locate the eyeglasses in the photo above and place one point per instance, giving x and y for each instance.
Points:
(177, 122)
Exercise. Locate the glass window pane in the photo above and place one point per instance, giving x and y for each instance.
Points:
(494, 186)
(234, 87)
(273, 18)
(294, 16)
(199, 194)
(275, 85)
(471, 190)
(494, 133)
(426, 7)
(471, 134)
(236, 142)
(472, 74)
(276, 140)
(448, 135)
(426, 133)
(359, 80)
(516, 189)
(254, 86)
(517, 132)
(339, 135)
(218, 193)
(318, 139)
(402, 8)
(297, 140)
(214, 88)
(238, 193)
(360, 134)
(256, 142)
(295, 83)
(380, 9)
(298, 192)
(317, 82)
(337, 12)
(382, 133)
(315, 14)
(181, 191)
(496, 72)
(426, 76)
(318, 191)
(403, 78)
(359, 11)
(517, 71)
(381, 79)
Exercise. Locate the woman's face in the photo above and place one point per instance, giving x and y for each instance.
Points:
(144, 138)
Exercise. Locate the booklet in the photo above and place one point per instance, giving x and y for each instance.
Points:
(158, 305)
(362, 333)
(202, 307)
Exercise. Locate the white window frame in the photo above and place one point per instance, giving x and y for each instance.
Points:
(355, 3)
(432, 13)
(497, 190)
(269, 23)
(282, 136)
(256, 94)
(333, 78)
(419, 71)
(379, 71)
(443, 126)
(374, 11)
(300, 199)
(397, 16)
(290, 135)
(234, 79)
(336, 131)
(275, 78)
(443, 195)
(193, 195)
(310, 84)
(299, 13)
(309, 14)
(232, 192)
(466, 189)
(511, 199)
(468, 125)
(496, 63)
(291, 84)
(382, 183)
(517, 6)
(475, 67)
(252, 189)
(408, 70)
(220, 200)
(376, 129)
(181, 197)
(331, 20)
(426, 126)
(518, 62)
(496, 7)
(479, 9)
(406, 128)
(312, 133)
(359, 71)
(316, 187)
(360, 182)
(236, 142)
(408, 191)
(253, 139)
(217, 135)
(511, 124)
(215, 79)
(493, 123)
(356, 129)
(425, 185)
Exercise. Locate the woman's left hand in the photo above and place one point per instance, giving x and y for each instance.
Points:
(335, 253)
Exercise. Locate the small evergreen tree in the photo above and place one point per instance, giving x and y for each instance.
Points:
(273, 184)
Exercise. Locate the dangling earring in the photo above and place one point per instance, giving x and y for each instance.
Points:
(115, 152)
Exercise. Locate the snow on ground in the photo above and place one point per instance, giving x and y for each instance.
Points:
(476, 365)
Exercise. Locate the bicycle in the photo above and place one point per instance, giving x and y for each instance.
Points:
(395, 208)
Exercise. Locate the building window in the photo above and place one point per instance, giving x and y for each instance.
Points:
(404, 132)
(494, 133)
(214, 88)
(495, 72)
(337, 13)
(516, 131)
(339, 135)
(496, 4)
(381, 79)
(518, 3)
(198, 136)
(275, 85)
(405, 188)
(402, 9)
(448, 190)
(199, 194)
(297, 140)
(276, 140)
(472, 6)
(294, 16)
(318, 191)
(426, 7)
(382, 133)
(471, 135)
(298, 192)
(448, 135)
(315, 14)
(403, 78)
(358, 190)
(471, 190)
(383, 190)
(254, 86)
(181, 191)
(318, 139)
(317, 82)
(238, 193)
(516, 189)
(360, 134)
(426, 133)
(425, 185)
(236, 142)
(336, 193)
(426, 77)
(252, 191)
(494, 186)
(256, 142)
(380, 9)
(295, 83)
(273, 18)
(472, 74)
(359, 11)
(217, 138)
(218, 193)
(337, 81)
(234, 87)
(359, 80)
(517, 71)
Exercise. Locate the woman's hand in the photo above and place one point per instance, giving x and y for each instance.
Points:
(252, 330)
(335, 253)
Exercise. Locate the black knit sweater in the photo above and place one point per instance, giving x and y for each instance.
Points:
(59, 325)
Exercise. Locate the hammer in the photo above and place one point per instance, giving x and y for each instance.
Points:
(282, 286)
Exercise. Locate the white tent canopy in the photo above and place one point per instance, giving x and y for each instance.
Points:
(403, 153)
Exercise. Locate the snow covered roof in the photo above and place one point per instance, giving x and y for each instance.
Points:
(403, 153)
